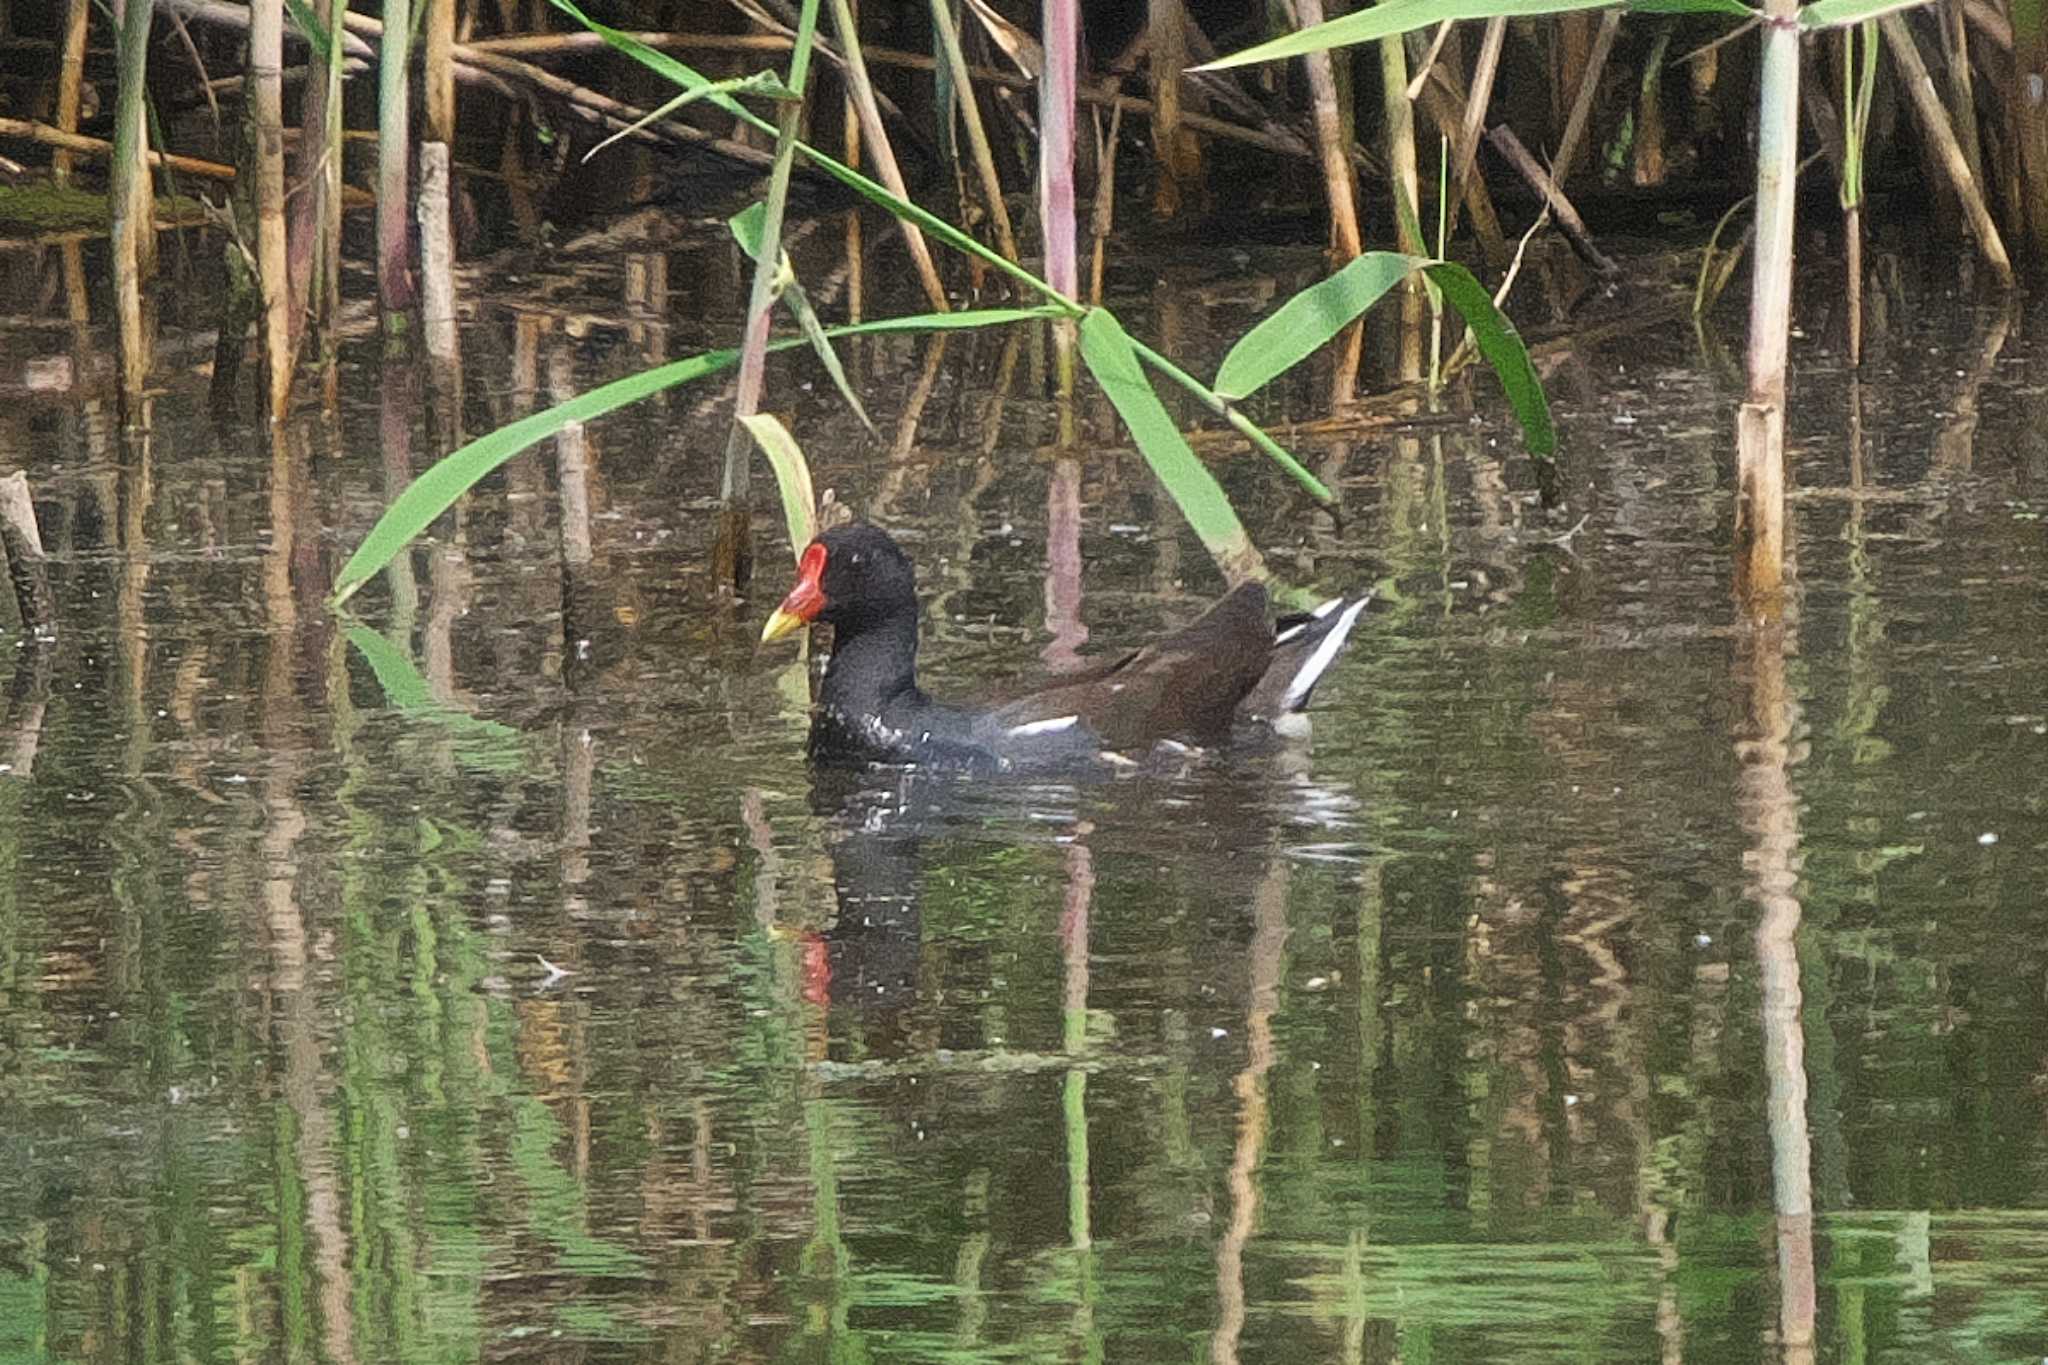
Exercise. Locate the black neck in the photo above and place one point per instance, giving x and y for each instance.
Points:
(872, 664)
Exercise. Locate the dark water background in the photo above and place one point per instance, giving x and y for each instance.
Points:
(490, 978)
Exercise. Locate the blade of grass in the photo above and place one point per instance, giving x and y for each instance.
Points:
(792, 477)
(798, 302)
(746, 230)
(1111, 358)
(1828, 13)
(1501, 345)
(870, 190)
(479, 743)
(1309, 320)
(436, 490)
(1384, 20)
(1245, 426)
(766, 84)
(309, 26)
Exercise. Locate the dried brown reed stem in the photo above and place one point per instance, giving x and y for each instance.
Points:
(223, 14)
(315, 241)
(1178, 153)
(732, 546)
(1105, 199)
(1466, 147)
(1582, 103)
(1444, 102)
(868, 107)
(1962, 95)
(1941, 139)
(436, 191)
(1648, 164)
(70, 80)
(101, 149)
(1510, 147)
(977, 135)
(1398, 111)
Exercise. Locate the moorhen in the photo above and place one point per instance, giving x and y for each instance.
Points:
(1232, 665)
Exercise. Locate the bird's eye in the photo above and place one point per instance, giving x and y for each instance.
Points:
(854, 560)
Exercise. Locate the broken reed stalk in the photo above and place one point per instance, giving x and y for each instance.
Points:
(572, 453)
(1941, 140)
(948, 35)
(26, 566)
(1760, 424)
(437, 189)
(437, 108)
(887, 170)
(134, 228)
(394, 276)
(437, 261)
(732, 549)
(264, 117)
(70, 80)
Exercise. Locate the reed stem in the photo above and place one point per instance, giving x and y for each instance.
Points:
(977, 136)
(1340, 189)
(1056, 91)
(394, 147)
(70, 80)
(133, 202)
(887, 170)
(1404, 172)
(1941, 138)
(439, 103)
(265, 121)
(732, 552)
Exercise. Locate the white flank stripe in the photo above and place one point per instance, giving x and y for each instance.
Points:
(1325, 652)
(1042, 727)
(1316, 615)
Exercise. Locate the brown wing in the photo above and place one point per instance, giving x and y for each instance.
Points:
(1185, 686)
